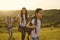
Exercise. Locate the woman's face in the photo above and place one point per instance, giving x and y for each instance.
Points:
(23, 11)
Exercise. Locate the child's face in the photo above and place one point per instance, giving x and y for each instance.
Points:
(40, 14)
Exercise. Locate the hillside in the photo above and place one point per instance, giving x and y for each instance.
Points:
(50, 16)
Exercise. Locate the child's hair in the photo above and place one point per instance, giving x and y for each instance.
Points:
(37, 10)
(35, 18)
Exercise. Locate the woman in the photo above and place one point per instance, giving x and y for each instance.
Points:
(22, 21)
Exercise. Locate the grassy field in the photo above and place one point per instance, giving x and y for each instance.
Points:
(45, 34)
(50, 17)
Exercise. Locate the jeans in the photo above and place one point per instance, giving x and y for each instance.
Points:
(28, 30)
(35, 38)
(10, 33)
(23, 31)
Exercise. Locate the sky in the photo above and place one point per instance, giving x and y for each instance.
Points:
(29, 4)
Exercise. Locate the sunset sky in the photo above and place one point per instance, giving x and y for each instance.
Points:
(29, 4)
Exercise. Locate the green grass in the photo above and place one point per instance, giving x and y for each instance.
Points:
(45, 34)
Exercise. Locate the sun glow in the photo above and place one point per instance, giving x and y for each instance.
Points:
(29, 4)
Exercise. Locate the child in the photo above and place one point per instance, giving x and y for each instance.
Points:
(9, 22)
(36, 24)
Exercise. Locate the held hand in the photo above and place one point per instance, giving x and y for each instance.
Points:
(34, 26)
(29, 26)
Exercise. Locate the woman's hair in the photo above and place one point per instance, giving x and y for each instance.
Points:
(25, 13)
(25, 10)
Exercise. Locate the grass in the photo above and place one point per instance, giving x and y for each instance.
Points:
(50, 34)
(45, 34)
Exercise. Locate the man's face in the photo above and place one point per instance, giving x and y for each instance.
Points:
(40, 14)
